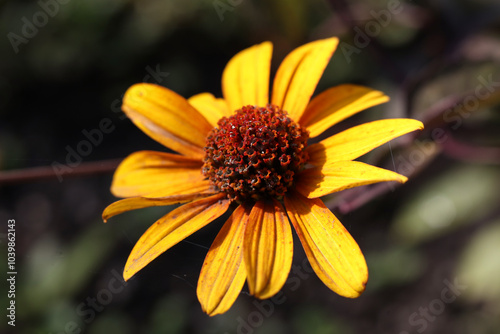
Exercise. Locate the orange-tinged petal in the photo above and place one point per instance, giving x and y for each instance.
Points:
(336, 104)
(172, 228)
(158, 174)
(268, 249)
(134, 203)
(223, 273)
(298, 75)
(245, 80)
(332, 252)
(337, 176)
(167, 118)
(211, 108)
(354, 142)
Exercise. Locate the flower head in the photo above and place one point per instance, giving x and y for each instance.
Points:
(252, 154)
(255, 153)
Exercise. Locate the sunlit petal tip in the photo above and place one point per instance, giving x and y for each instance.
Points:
(125, 276)
(402, 179)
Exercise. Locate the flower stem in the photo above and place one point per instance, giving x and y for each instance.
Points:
(50, 172)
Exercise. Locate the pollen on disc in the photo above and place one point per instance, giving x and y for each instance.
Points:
(255, 153)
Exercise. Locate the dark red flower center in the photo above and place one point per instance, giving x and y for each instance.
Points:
(255, 153)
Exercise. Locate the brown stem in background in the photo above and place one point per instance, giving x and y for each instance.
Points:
(471, 153)
(357, 197)
(48, 172)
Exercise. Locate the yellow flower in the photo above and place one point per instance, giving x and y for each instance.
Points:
(245, 152)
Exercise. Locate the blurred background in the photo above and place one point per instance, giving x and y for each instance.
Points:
(432, 245)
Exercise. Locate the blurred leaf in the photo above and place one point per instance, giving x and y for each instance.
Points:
(12, 151)
(56, 272)
(111, 323)
(169, 315)
(291, 15)
(272, 325)
(393, 266)
(314, 320)
(94, 11)
(60, 317)
(479, 267)
(471, 80)
(477, 322)
(460, 196)
(397, 34)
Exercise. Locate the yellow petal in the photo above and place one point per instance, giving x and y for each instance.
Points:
(245, 80)
(332, 252)
(157, 174)
(336, 104)
(211, 108)
(167, 118)
(354, 142)
(330, 178)
(298, 75)
(134, 203)
(223, 273)
(268, 249)
(172, 228)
